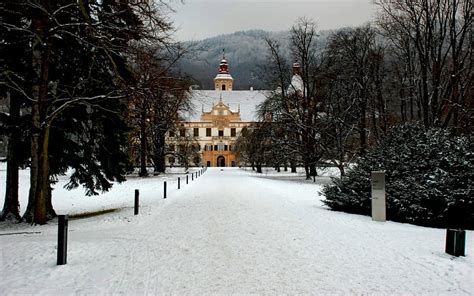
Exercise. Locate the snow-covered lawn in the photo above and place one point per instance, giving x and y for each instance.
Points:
(229, 231)
(74, 202)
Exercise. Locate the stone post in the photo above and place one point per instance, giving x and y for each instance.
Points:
(378, 196)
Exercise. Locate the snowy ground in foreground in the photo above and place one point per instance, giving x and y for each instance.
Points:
(229, 231)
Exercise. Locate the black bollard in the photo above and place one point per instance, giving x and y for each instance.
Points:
(136, 202)
(62, 239)
(186, 179)
(179, 183)
(164, 189)
(192, 177)
(455, 242)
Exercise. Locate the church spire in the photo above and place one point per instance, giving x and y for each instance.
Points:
(223, 80)
(223, 66)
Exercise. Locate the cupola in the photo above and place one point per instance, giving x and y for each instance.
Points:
(223, 80)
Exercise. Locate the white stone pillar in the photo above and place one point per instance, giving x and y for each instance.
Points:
(378, 196)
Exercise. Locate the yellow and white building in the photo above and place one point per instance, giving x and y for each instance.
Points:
(216, 121)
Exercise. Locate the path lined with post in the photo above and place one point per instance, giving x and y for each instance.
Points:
(231, 232)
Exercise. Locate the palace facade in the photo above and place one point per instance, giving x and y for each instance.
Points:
(215, 123)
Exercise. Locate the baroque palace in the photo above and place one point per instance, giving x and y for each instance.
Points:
(223, 114)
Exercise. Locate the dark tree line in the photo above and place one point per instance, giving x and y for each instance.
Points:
(157, 99)
(67, 75)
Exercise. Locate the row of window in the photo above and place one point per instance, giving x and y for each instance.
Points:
(182, 132)
(207, 147)
(218, 147)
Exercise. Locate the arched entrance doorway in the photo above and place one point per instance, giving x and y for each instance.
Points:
(221, 161)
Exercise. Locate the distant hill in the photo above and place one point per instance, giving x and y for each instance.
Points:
(245, 51)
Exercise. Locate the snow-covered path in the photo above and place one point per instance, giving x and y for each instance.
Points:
(232, 232)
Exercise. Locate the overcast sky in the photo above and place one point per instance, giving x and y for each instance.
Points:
(199, 19)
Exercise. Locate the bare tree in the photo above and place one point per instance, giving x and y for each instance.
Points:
(434, 40)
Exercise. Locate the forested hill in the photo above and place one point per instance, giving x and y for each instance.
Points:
(245, 51)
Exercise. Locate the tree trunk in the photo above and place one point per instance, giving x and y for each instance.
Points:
(341, 169)
(11, 207)
(312, 170)
(39, 196)
(143, 143)
(43, 197)
(308, 175)
(293, 168)
(259, 168)
(159, 154)
(363, 125)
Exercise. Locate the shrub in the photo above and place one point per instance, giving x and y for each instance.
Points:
(429, 178)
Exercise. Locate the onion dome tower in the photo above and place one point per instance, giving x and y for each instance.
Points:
(223, 80)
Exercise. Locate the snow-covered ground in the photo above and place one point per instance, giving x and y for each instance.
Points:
(74, 202)
(229, 231)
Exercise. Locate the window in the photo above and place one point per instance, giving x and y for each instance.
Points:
(208, 132)
(171, 148)
(232, 132)
(221, 147)
(221, 133)
(225, 147)
(171, 134)
(196, 132)
(215, 148)
(208, 147)
(171, 159)
(182, 132)
(223, 87)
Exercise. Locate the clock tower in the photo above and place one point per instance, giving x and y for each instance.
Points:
(223, 80)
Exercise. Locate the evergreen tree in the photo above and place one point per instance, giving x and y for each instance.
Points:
(13, 81)
(429, 177)
(76, 53)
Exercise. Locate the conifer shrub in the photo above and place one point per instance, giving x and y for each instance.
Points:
(429, 178)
